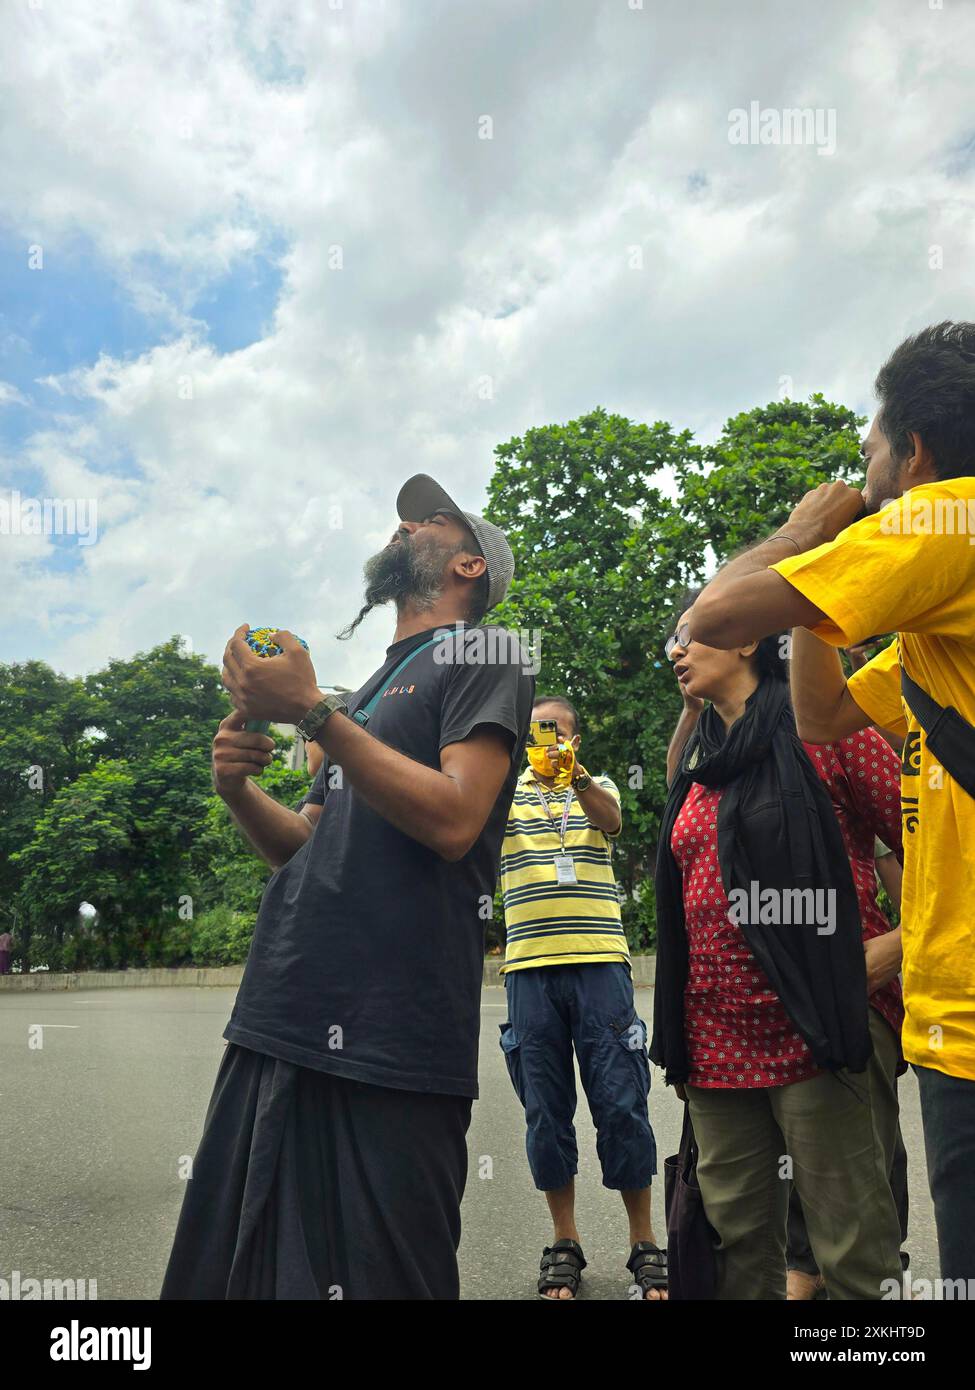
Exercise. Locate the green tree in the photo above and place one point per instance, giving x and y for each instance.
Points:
(99, 780)
(610, 521)
(124, 815)
(745, 485)
(158, 700)
(118, 837)
(46, 741)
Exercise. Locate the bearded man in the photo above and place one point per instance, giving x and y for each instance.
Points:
(333, 1158)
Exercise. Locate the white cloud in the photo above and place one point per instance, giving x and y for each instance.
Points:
(179, 138)
(9, 395)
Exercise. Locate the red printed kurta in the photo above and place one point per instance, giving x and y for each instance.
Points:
(738, 1033)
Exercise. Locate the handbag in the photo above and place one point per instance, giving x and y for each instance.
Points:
(691, 1239)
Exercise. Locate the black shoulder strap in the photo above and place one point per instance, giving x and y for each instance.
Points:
(949, 736)
(924, 707)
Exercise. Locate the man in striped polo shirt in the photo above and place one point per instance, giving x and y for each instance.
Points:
(568, 983)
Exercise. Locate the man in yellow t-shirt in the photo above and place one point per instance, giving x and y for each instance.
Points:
(900, 556)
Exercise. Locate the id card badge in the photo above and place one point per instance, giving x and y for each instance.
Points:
(565, 869)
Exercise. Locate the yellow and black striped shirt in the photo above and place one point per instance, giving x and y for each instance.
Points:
(549, 923)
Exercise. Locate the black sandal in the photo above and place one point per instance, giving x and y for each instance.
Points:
(561, 1268)
(648, 1265)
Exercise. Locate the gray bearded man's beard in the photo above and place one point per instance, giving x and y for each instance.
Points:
(401, 573)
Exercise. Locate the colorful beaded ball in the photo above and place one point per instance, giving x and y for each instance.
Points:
(259, 640)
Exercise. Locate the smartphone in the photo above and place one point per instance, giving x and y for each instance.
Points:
(543, 733)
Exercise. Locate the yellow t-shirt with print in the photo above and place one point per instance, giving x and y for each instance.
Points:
(911, 568)
(547, 923)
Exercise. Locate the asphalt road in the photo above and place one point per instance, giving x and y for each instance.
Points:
(94, 1124)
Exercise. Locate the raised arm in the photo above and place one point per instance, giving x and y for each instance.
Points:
(745, 604)
(747, 600)
(824, 708)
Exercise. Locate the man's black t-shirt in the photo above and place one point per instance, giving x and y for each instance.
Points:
(368, 952)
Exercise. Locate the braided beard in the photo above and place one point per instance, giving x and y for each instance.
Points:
(402, 573)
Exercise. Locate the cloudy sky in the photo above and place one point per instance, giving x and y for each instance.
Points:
(260, 260)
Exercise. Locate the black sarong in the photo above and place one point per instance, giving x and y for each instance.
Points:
(312, 1186)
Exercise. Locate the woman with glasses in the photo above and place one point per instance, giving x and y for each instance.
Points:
(770, 942)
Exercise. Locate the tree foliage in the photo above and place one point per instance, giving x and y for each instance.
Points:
(45, 744)
(123, 815)
(747, 482)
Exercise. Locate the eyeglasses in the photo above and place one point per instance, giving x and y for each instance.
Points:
(680, 638)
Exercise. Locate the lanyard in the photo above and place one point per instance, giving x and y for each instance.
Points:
(548, 811)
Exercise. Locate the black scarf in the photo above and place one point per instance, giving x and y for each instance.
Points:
(777, 829)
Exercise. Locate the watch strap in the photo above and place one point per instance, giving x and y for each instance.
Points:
(318, 714)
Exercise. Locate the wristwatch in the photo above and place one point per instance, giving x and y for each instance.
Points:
(582, 783)
(318, 714)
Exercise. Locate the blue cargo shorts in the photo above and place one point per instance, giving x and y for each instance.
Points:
(553, 1009)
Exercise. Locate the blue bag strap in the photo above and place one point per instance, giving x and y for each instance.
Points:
(361, 715)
